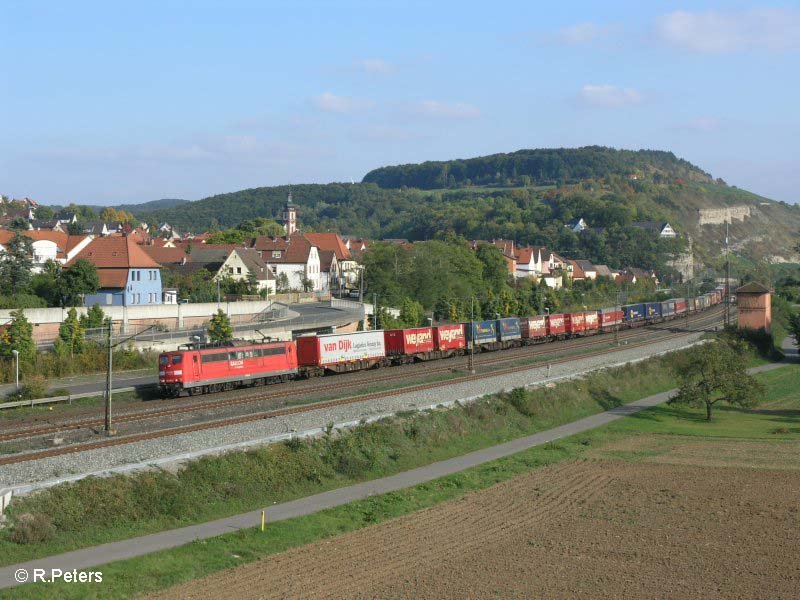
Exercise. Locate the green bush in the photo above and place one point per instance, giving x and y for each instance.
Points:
(34, 386)
(32, 528)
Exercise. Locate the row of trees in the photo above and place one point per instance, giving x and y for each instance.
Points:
(447, 280)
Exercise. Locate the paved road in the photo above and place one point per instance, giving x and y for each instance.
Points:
(105, 553)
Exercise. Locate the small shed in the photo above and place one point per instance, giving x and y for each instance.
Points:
(754, 303)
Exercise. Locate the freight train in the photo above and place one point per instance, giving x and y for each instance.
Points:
(200, 369)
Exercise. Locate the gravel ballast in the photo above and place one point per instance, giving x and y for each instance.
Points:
(168, 451)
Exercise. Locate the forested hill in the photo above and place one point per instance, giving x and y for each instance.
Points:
(545, 166)
(615, 190)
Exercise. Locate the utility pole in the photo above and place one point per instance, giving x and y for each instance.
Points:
(111, 347)
(727, 279)
(108, 379)
(471, 359)
(375, 310)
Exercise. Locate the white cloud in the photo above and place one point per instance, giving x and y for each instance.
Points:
(761, 29)
(329, 102)
(442, 110)
(374, 66)
(609, 96)
(580, 33)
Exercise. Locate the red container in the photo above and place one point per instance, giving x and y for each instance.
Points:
(592, 320)
(555, 325)
(449, 337)
(609, 317)
(408, 341)
(680, 306)
(574, 323)
(533, 327)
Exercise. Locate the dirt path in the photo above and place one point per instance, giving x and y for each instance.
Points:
(597, 528)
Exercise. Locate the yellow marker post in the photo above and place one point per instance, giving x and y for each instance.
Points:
(263, 519)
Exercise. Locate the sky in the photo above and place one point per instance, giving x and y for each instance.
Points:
(109, 103)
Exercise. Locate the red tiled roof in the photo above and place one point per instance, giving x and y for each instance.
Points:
(294, 250)
(330, 242)
(115, 253)
(165, 256)
(65, 242)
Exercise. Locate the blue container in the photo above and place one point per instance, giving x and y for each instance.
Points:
(652, 310)
(482, 332)
(633, 312)
(509, 329)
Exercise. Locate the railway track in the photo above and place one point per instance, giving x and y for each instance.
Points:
(326, 404)
(335, 384)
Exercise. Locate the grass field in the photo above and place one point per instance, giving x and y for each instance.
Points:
(774, 422)
(98, 510)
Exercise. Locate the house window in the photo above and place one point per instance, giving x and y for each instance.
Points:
(238, 270)
(276, 254)
(230, 269)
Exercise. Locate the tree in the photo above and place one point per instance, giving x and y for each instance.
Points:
(794, 325)
(715, 372)
(18, 336)
(282, 283)
(70, 340)
(44, 213)
(113, 215)
(74, 228)
(77, 281)
(94, 318)
(19, 224)
(220, 329)
(15, 268)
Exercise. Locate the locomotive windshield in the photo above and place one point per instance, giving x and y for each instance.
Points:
(163, 359)
(176, 359)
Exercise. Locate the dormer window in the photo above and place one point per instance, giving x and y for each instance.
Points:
(276, 254)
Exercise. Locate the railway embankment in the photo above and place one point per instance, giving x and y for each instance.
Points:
(107, 508)
(170, 451)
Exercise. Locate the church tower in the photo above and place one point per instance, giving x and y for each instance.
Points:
(290, 216)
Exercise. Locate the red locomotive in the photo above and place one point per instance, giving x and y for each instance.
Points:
(217, 368)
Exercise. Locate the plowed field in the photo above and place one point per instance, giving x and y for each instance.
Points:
(599, 528)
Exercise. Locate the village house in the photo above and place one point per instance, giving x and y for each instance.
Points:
(246, 264)
(128, 276)
(341, 269)
(48, 245)
(577, 225)
(662, 228)
(294, 257)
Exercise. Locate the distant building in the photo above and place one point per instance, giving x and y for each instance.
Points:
(663, 228)
(577, 225)
(289, 216)
(754, 305)
(128, 276)
(246, 264)
(48, 245)
(294, 256)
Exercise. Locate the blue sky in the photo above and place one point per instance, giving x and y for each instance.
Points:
(104, 103)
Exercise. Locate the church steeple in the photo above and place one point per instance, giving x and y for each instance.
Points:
(289, 216)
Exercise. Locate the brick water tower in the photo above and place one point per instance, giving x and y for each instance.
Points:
(754, 303)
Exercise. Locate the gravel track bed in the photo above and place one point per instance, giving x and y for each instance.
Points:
(168, 451)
